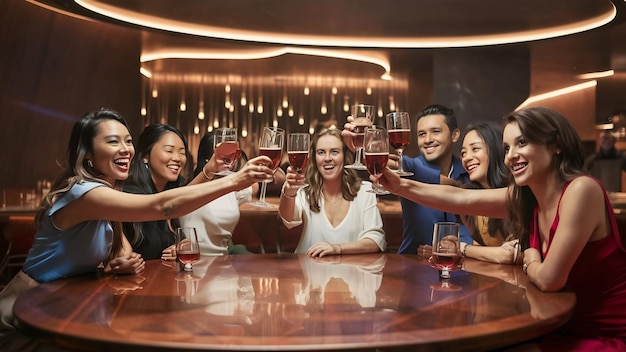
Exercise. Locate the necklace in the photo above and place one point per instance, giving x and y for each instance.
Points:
(332, 202)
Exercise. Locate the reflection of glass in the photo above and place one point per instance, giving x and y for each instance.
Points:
(376, 147)
(187, 248)
(271, 145)
(399, 129)
(363, 116)
(186, 286)
(226, 149)
(446, 250)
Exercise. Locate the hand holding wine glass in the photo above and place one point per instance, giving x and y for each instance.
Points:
(187, 247)
(446, 255)
(298, 151)
(376, 146)
(399, 127)
(226, 149)
(363, 117)
(270, 145)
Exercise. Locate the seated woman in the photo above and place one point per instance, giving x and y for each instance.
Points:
(79, 221)
(216, 220)
(338, 213)
(482, 156)
(161, 156)
(563, 218)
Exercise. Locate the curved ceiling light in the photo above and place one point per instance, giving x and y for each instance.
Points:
(372, 58)
(558, 92)
(379, 42)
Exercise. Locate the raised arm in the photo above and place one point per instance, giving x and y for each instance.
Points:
(108, 204)
(486, 202)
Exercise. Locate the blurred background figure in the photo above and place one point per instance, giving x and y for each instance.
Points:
(608, 162)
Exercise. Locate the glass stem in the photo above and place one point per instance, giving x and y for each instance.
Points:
(358, 156)
(400, 168)
(263, 191)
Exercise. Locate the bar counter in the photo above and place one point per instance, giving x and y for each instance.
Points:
(289, 302)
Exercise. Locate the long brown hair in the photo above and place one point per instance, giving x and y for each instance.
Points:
(77, 169)
(543, 126)
(350, 182)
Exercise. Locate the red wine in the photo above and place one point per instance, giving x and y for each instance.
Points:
(376, 162)
(228, 151)
(445, 261)
(359, 135)
(188, 257)
(273, 153)
(399, 138)
(298, 160)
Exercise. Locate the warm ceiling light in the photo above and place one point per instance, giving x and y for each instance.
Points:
(142, 19)
(594, 75)
(372, 57)
(144, 71)
(558, 92)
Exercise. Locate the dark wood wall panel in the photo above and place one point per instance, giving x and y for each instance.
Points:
(54, 69)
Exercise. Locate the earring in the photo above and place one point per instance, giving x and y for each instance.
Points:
(147, 167)
(89, 163)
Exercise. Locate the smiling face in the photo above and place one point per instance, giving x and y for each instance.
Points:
(112, 151)
(529, 163)
(329, 157)
(435, 139)
(166, 160)
(475, 157)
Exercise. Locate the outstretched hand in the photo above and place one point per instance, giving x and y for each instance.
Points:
(293, 180)
(347, 133)
(255, 170)
(389, 180)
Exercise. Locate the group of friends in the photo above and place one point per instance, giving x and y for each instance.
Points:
(519, 188)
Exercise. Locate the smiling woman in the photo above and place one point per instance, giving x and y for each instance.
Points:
(161, 161)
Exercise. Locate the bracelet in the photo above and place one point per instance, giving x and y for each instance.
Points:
(525, 266)
(340, 249)
(205, 175)
(288, 196)
(464, 249)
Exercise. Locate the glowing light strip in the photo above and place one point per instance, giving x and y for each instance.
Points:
(593, 75)
(144, 71)
(380, 42)
(374, 58)
(558, 92)
(57, 10)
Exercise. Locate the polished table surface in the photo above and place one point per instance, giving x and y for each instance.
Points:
(292, 302)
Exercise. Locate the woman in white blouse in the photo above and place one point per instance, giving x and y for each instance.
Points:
(339, 215)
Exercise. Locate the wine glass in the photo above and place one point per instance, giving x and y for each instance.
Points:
(376, 147)
(226, 148)
(363, 116)
(399, 127)
(446, 248)
(187, 247)
(271, 145)
(298, 150)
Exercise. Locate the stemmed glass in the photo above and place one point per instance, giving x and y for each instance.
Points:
(226, 148)
(271, 145)
(376, 147)
(187, 247)
(298, 150)
(363, 116)
(446, 248)
(399, 127)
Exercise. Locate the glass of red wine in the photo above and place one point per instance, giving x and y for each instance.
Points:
(363, 117)
(298, 150)
(226, 149)
(187, 247)
(376, 150)
(271, 145)
(446, 255)
(399, 128)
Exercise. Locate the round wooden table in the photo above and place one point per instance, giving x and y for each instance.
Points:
(291, 302)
